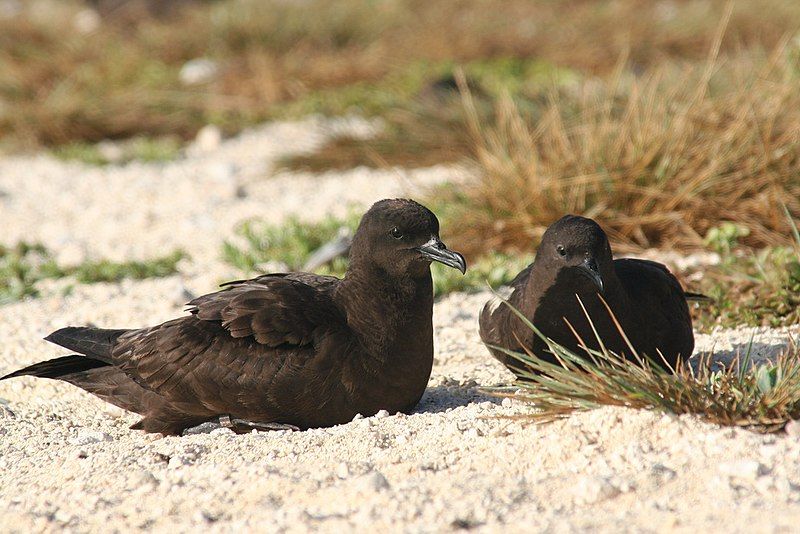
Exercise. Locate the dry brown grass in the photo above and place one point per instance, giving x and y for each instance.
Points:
(58, 85)
(761, 396)
(658, 160)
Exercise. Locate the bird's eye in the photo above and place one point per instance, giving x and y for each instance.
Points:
(396, 233)
(561, 250)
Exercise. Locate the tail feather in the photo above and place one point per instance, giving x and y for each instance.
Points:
(58, 368)
(100, 379)
(93, 342)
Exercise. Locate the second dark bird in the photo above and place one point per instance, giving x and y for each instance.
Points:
(297, 349)
(574, 261)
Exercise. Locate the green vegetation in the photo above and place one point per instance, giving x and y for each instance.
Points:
(658, 160)
(423, 115)
(25, 264)
(144, 149)
(761, 397)
(290, 245)
(673, 124)
(750, 287)
(64, 82)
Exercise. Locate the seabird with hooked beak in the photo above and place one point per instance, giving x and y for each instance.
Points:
(574, 262)
(294, 349)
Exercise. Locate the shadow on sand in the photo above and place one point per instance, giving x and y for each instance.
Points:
(757, 353)
(442, 398)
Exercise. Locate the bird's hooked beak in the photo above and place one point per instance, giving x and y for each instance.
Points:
(589, 269)
(436, 251)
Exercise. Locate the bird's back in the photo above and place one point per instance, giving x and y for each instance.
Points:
(649, 303)
(662, 322)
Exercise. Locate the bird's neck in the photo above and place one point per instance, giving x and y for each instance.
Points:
(385, 311)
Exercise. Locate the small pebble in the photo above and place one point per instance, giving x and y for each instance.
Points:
(342, 470)
(374, 481)
(87, 437)
(793, 428)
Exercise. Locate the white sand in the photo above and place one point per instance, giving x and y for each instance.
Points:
(67, 460)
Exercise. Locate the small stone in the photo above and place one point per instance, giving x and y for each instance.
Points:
(381, 414)
(87, 437)
(208, 138)
(86, 21)
(62, 517)
(595, 489)
(507, 402)
(342, 470)
(177, 461)
(662, 472)
(110, 151)
(198, 71)
(793, 428)
(374, 481)
(357, 417)
(141, 478)
(473, 433)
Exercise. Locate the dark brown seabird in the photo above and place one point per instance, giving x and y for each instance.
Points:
(294, 349)
(574, 261)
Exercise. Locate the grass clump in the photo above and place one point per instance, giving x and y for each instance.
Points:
(289, 244)
(21, 266)
(749, 287)
(424, 121)
(761, 397)
(64, 82)
(265, 247)
(25, 264)
(658, 160)
(92, 272)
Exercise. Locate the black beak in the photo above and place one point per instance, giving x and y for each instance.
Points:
(589, 269)
(436, 251)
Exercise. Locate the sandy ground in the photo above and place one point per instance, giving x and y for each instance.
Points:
(69, 462)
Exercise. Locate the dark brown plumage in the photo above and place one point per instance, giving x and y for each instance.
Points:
(574, 260)
(297, 349)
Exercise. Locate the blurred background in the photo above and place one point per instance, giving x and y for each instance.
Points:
(674, 123)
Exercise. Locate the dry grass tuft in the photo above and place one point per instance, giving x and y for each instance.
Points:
(658, 160)
(762, 397)
(62, 81)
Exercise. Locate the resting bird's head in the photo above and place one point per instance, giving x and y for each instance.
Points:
(401, 237)
(578, 245)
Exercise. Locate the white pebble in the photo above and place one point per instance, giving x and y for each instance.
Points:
(594, 489)
(342, 470)
(87, 437)
(197, 71)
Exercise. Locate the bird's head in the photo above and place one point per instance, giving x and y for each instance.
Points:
(578, 245)
(402, 238)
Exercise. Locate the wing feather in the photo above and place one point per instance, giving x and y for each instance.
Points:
(236, 342)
